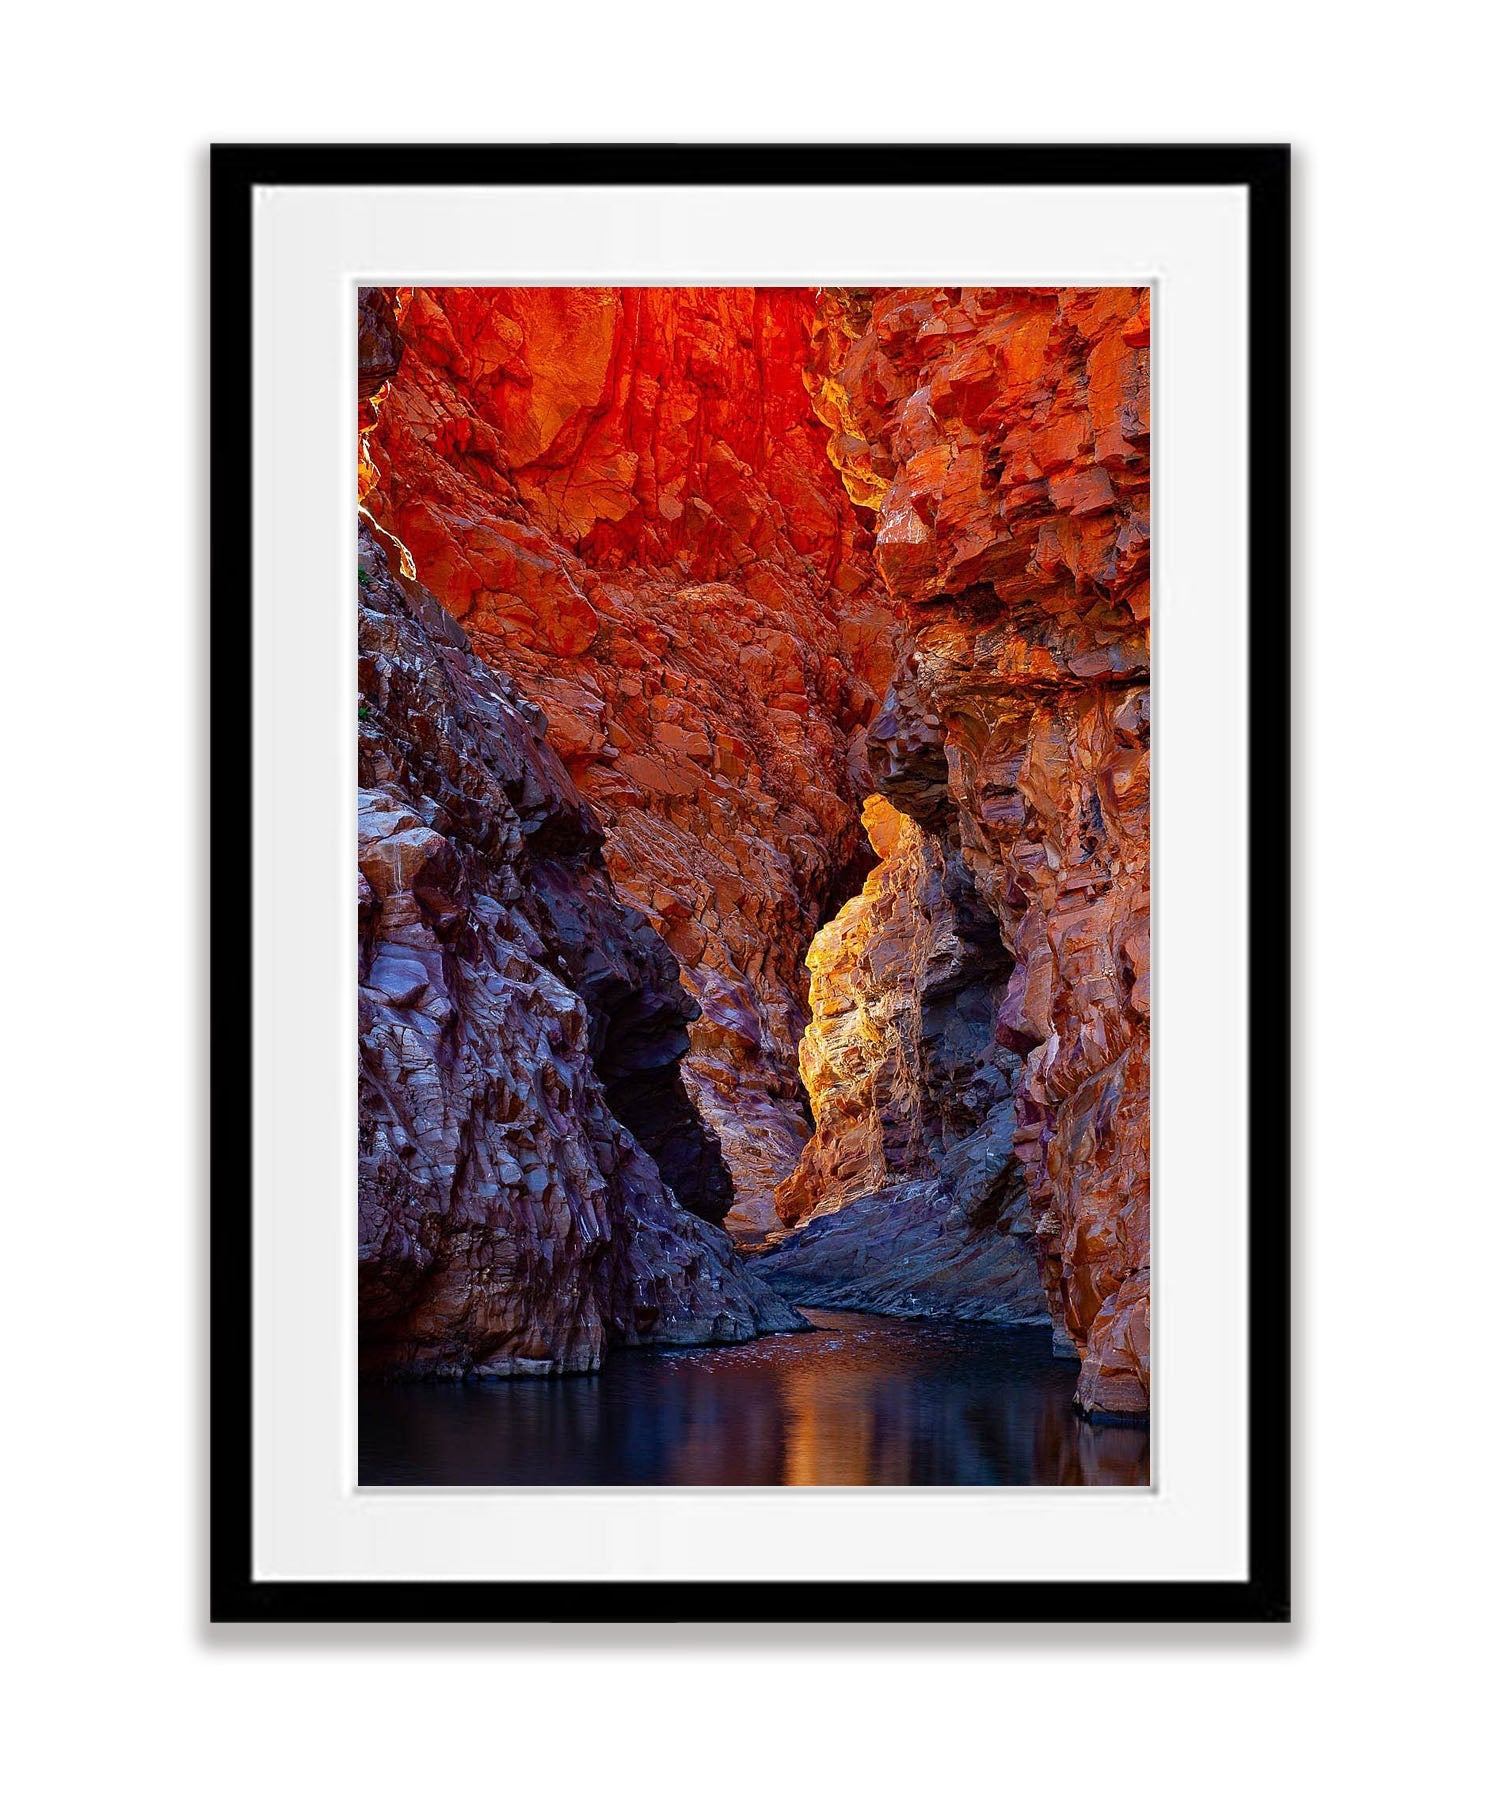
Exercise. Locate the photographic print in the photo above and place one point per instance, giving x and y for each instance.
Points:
(754, 886)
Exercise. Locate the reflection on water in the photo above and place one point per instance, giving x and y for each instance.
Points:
(862, 1401)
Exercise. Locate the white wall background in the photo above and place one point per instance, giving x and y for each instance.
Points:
(1384, 1685)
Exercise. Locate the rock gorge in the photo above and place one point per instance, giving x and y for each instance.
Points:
(755, 738)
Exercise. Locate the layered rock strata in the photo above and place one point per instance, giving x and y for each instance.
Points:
(1001, 437)
(625, 497)
(524, 1134)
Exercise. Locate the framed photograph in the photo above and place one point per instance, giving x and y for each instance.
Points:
(723, 784)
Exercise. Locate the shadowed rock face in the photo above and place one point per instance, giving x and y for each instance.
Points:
(626, 498)
(1001, 439)
(912, 1250)
(515, 1019)
(380, 347)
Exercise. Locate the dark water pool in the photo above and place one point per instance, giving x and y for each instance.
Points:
(861, 1401)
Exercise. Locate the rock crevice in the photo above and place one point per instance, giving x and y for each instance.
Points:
(795, 594)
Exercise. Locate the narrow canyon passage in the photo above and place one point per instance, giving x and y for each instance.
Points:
(754, 822)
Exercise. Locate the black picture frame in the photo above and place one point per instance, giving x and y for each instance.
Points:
(1263, 171)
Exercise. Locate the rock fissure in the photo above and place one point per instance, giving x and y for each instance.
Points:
(818, 621)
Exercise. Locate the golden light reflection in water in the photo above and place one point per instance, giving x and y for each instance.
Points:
(830, 1431)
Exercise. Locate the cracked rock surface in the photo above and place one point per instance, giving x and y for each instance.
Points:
(1000, 437)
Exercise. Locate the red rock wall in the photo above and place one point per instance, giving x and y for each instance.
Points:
(1001, 438)
(626, 499)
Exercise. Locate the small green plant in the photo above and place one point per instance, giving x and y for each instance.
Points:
(364, 579)
(364, 713)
